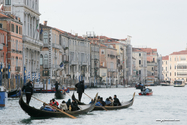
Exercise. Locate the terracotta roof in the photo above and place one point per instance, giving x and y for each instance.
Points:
(165, 57)
(137, 50)
(4, 16)
(179, 53)
(102, 45)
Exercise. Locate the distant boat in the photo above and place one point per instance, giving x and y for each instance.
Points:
(148, 93)
(14, 93)
(165, 83)
(179, 83)
(59, 94)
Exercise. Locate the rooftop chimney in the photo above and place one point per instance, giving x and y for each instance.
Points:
(45, 23)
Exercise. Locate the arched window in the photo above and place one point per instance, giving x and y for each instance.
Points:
(41, 59)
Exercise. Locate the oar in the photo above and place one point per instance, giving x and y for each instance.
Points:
(56, 108)
(98, 103)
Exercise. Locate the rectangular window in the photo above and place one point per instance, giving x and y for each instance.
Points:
(16, 28)
(139, 71)
(139, 54)
(1, 25)
(20, 31)
(12, 27)
(7, 2)
(140, 62)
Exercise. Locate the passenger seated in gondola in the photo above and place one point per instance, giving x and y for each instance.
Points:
(68, 103)
(47, 108)
(111, 100)
(51, 102)
(91, 101)
(98, 98)
(55, 103)
(74, 106)
(102, 102)
(116, 101)
(63, 106)
(98, 104)
(108, 102)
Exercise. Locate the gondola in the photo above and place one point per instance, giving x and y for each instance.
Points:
(14, 93)
(37, 113)
(123, 105)
(59, 95)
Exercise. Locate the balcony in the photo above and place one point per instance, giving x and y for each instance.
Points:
(17, 68)
(112, 70)
(54, 45)
(45, 45)
(1, 46)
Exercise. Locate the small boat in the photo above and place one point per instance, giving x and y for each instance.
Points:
(59, 94)
(165, 83)
(179, 83)
(14, 93)
(149, 93)
(37, 113)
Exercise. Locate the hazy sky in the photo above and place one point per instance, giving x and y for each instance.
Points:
(160, 24)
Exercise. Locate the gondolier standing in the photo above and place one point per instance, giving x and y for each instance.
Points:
(28, 91)
(80, 89)
(56, 85)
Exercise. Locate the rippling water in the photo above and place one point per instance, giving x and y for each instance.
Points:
(166, 103)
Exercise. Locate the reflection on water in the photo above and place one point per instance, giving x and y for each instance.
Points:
(166, 103)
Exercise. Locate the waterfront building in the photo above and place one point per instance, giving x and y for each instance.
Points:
(165, 67)
(177, 66)
(11, 36)
(64, 57)
(51, 54)
(103, 63)
(94, 60)
(28, 11)
(124, 57)
(141, 64)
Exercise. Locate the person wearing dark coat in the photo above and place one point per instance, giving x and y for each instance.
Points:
(80, 89)
(116, 101)
(28, 91)
(74, 106)
(56, 85)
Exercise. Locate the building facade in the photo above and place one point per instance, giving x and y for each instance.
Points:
(141, 64)
(178, 66)
(165, 68)
(13, 46)
(28, 11)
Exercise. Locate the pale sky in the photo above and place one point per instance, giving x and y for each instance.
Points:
(160, 24)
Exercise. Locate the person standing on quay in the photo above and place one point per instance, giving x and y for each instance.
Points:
(80, 89)
(28, 91)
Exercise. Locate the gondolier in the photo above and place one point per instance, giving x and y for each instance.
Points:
(28, 91)
(80, 89)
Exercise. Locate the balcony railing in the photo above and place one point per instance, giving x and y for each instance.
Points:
(45, 45)
(54, 45)
(112, 70)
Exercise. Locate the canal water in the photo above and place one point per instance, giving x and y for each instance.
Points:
(167, 106)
